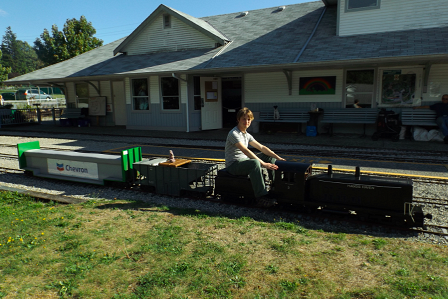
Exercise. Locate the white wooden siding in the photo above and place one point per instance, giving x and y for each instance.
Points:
(273, 87)
(154, 38)
(437, 83)
(92, 90)
(183, 90)
(393, 15)
(106, 91)
(154, 90)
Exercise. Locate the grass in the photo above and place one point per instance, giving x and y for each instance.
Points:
(127, 249)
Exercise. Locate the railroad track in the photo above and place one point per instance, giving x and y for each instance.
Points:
(10, 170)
(439, 230)
(415, 179)
(429, 200)
(433, 157)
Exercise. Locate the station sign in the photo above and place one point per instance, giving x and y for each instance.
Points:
(84, 170)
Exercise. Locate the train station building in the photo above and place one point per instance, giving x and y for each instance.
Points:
(176, 72)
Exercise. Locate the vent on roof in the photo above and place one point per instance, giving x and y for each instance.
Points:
(243, 14)
(281, 8)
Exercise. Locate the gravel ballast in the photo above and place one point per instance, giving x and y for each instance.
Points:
(102, 143)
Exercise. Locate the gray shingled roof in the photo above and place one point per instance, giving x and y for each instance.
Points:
(79, 66)
(264, 37)
(326, 46)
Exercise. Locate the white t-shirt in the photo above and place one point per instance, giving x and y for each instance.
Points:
(232, 152)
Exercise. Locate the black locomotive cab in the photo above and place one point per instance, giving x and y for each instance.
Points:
(289, 184)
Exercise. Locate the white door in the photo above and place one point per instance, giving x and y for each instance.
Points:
(211, 102)
(119, 101)
(400, 87)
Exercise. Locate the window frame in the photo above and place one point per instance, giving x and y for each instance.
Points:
(85, 99)
(134, 97)
(166, 21)
(377, 6)
(162, 96)
(373, 103)
(197, 93)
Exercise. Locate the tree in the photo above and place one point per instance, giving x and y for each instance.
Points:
(18, 55)
(4, 71)
(76, 38)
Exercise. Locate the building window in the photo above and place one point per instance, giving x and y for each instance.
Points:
(166, 21)
(140, 99)
(197, 92)
(353, 5)
(170, 93)
(82, 95)
(359, 87)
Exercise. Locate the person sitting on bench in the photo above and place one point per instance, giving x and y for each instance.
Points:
(242, 161)
(441, 110)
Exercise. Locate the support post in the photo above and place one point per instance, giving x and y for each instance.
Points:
(288, 75)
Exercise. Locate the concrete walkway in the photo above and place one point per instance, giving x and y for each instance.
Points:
(277, 137)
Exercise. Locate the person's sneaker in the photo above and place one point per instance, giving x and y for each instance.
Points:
(445, 139)
(266, 202)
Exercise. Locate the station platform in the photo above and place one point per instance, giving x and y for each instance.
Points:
(338, 141)
(282, 135)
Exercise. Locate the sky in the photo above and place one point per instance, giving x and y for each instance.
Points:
(112, 19)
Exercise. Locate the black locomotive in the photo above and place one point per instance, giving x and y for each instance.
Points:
(374, 198)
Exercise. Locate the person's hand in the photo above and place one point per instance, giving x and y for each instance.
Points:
(270, 166)
(281, 159)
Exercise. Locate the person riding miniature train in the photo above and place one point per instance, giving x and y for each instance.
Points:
(242, 161)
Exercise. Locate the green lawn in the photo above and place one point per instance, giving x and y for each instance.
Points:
(128, 249)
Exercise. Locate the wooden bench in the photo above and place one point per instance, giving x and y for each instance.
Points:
(74, 117)
(365, 116)
(287, 115)
(72, 113)
(418, 117)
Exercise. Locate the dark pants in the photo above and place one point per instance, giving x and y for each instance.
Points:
(442, 122)
(252, 167)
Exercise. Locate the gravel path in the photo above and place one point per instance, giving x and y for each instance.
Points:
(101, 143)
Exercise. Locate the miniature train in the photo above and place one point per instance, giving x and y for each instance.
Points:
(383, 199)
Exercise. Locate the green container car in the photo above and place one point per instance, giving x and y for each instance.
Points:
(188, 178)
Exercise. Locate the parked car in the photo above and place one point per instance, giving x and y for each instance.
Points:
(24, 94)
(8, 96)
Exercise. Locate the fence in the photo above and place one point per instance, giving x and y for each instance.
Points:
(42, 103)
(28, 116)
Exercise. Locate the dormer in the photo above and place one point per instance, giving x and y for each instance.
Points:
(169, 30)
(376, 16)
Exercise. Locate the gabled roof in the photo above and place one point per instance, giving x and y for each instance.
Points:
(196, 23)
(264, 38)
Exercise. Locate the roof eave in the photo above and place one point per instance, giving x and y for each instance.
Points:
(370, 62)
